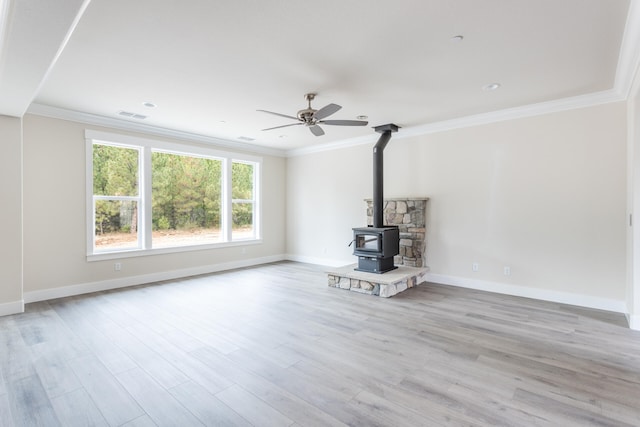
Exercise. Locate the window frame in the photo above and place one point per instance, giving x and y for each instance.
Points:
(146, 146)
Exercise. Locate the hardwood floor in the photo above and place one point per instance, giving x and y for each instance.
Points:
(275, 346)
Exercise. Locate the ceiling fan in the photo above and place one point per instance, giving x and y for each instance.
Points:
(312, 118)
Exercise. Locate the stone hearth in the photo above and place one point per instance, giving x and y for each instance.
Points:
(383, 285)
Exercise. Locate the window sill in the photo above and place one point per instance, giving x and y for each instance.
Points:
(133, 253)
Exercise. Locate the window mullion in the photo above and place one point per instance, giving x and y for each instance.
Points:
(125, 198)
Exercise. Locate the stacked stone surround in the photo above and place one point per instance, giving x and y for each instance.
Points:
(410, 215)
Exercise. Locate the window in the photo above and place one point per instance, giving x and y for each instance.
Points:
(243, 200)
(151, 196)
(186, 200)
(116, 197)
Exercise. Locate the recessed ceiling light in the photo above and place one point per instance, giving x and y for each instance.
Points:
(491, 86)
(362, 117)
(457, 39)
(149, 104)
(246, 138)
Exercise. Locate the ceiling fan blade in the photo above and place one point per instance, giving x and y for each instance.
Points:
(326, 111)
(283, 126)
(344, 122)
(278, 114)
(316, 130)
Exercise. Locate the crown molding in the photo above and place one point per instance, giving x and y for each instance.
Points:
(564, 104)
(581, 101)
(114, 123)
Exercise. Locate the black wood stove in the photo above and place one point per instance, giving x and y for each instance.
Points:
(375, 246)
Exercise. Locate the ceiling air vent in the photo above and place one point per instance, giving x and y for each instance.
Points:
(131, 115)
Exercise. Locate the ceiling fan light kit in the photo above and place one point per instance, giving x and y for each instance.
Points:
(312, 118)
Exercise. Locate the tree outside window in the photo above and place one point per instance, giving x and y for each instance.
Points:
(183, 202)
(243, 200)
(186, 200)
(116, 197)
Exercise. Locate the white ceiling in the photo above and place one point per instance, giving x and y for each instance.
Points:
(209, 65)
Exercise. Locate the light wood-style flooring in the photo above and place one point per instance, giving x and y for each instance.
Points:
(275, 346)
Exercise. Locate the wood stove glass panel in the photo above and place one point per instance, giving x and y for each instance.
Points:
(369, 242)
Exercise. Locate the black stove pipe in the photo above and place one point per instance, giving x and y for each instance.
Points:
(378, 166)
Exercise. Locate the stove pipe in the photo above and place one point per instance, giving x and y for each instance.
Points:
(378, 162)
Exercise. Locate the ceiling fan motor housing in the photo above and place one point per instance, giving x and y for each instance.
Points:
(306, 115)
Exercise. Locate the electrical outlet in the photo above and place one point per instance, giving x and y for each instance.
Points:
(117, 266)
(507, 271)
(475, 266)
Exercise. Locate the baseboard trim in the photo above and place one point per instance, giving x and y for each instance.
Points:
(9, 308)
(482, 285)
(607, 304)
(104, 285)
(617, 306)
(634, 321)
(318, 261)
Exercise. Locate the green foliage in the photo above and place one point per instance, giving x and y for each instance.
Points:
(116, 216)
(162, 223)
(115, 171)
(242, 181)
(242, 214)
(186, 190)
(104, 215)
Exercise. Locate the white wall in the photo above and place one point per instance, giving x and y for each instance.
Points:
(543, 195)
(55, 261)
(325, 199)
(11, 215)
